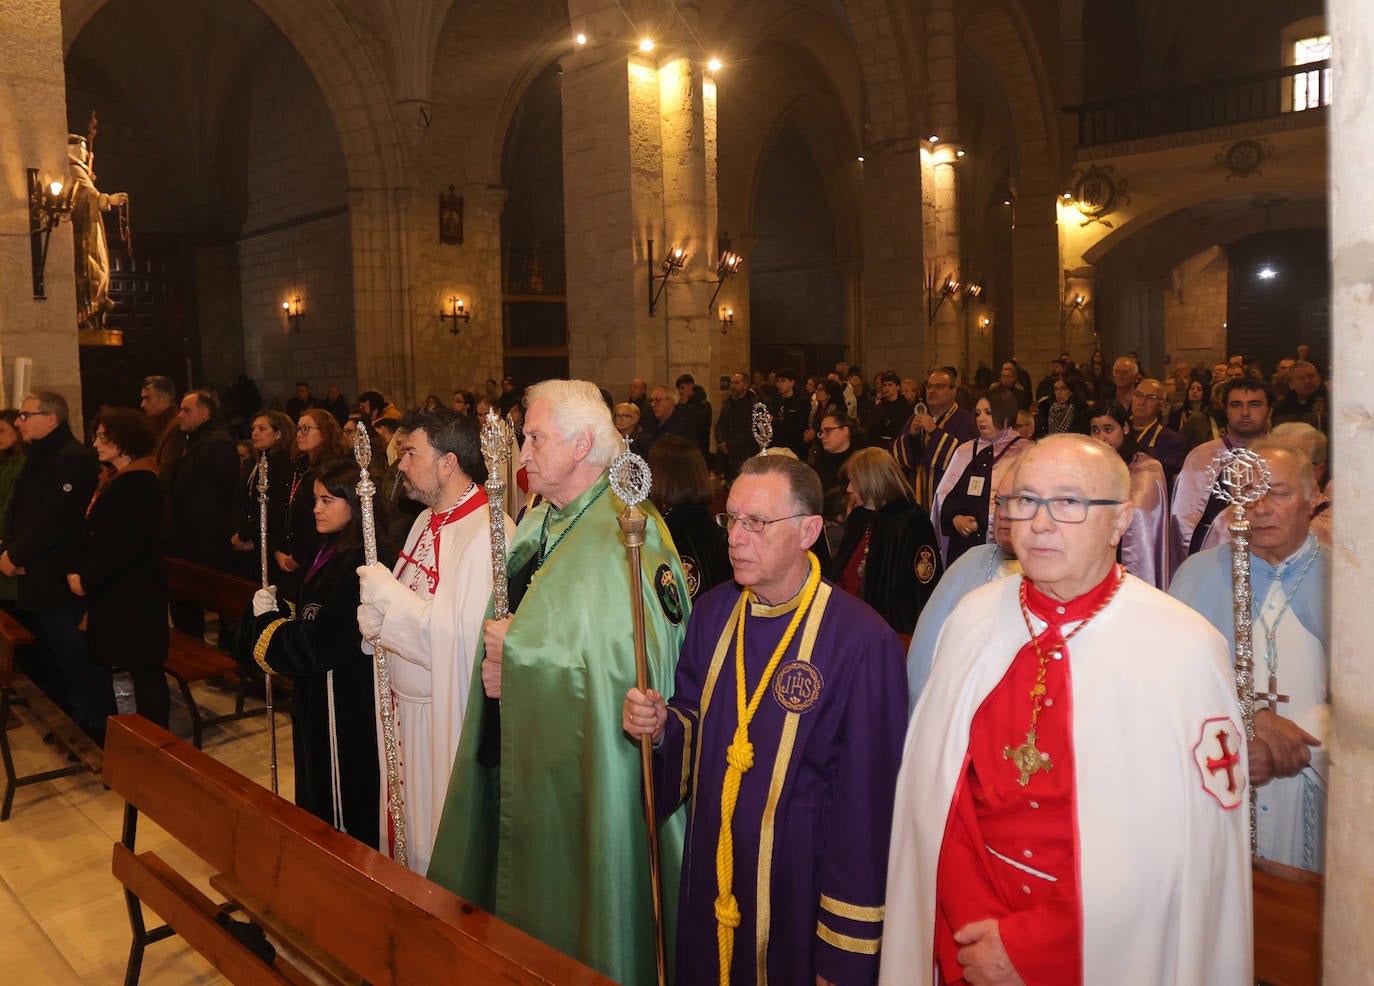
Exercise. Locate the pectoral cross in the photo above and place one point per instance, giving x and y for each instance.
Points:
(1027, 759)
(1272, 695)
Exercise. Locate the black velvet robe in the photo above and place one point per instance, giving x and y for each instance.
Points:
(322, 636)
(903, 564)
(701, 544)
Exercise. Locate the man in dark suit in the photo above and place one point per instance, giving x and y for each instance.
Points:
(44, 534)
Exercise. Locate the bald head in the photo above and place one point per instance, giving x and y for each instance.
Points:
(1101, 465)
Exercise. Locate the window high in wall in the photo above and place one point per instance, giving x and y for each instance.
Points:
(1312, 89)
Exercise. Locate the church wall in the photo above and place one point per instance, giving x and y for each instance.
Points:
(1195, 309)
(296, 239)
(33, 118)
(1349, 948)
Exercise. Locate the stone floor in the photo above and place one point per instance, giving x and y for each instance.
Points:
(62, 914)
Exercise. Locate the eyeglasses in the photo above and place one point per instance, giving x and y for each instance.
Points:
(1148, 397)
(826, 431)
(1062, 509)
(754, 525)
(25, 415)
(305, 429)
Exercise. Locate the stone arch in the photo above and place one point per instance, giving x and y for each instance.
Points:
(882, 44)
(339, 57)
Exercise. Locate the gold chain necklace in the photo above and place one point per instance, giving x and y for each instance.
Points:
(1027, 758)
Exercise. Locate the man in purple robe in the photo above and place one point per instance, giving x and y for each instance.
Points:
(925, 446)
(789, 774)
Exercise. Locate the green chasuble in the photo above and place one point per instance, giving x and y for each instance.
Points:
(551, 838)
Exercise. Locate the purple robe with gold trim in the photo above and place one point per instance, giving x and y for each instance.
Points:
(812, 823)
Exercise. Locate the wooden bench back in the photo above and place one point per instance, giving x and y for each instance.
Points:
(13, 635)
(218, 592)
(374, 916)
(1288, 924)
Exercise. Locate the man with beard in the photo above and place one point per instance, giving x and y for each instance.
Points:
(427, 614)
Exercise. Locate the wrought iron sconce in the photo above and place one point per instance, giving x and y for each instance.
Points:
(1075, 304)
(49, 203)
(727, 319)
(457, 312)
(292, 310)
(726, 267)
(672, 264)
(939, 291)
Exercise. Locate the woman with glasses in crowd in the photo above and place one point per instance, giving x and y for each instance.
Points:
(122, 574)
(962, 511)
(465, 403)
(836, 442)
(294, 542)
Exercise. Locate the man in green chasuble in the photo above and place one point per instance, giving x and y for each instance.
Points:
(544, 820)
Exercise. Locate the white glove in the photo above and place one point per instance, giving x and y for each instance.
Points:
(378, 587)
(265, 601)
(369, 621)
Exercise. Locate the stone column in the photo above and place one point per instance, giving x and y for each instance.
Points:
(1349, 948)
(33, 117)
(892, 328)
(639, 165)
(943, 254)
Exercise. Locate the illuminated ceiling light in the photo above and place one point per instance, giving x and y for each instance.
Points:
(959, 153)
(714, 65)
(1267, 273)
(861, 159)
(581, 39)
(934, 138)
(1068, 196)
(646, 45)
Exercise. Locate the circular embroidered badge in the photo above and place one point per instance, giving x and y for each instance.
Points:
(689, 571)
(797, 686)
(666, 588)
(925, 564)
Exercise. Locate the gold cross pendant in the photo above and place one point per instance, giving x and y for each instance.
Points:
(1027, 758)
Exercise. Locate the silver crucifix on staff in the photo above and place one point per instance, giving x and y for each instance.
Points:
(362, 453)
(266, 580)
(763, 427)
(631, 481)
(1241, 478)
(497, 436)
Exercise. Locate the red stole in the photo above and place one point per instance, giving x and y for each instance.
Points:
(1011, 852)
(437, 522)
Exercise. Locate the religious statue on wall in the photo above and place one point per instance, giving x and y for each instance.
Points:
(89, 205)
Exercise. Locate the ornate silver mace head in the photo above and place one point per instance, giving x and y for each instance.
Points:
(497, 435)
(763, 427)
(630, 477)
(1240, 476)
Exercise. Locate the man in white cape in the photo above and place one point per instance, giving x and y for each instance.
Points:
(1110, 846)
(428, 615)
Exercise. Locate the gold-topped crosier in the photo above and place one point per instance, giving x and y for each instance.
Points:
(266, 581)
(1241, 477)
(362, 453)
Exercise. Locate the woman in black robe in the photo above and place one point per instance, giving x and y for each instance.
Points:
(293, 541)
(683, 494)
(836, 440)
(317, 643)
(122, 574)
(889, 556)
(274, 434)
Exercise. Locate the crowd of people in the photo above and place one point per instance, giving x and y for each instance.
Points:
(843, 661)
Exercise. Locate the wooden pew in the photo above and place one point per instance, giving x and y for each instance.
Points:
(15, 689)
(362, 916)
(190, 660)
(1288, 925)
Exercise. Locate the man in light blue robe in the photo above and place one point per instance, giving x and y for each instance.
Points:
(1290, 579)
(977, 566)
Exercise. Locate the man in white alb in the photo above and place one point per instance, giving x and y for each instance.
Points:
(428, 614)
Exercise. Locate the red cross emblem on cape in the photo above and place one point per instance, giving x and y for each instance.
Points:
(1217, 754)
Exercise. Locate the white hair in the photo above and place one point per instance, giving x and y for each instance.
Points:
(578, 410)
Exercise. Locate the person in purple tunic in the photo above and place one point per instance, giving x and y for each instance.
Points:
(789, 773)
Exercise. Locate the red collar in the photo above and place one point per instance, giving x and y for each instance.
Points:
(1057, 613)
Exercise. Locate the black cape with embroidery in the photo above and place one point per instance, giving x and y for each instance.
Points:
(701, 544)
(903, 564)
(324, 636)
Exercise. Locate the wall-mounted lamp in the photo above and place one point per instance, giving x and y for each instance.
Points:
(457, 312)
(49, 202)
(726, 267)
(984, 322)
(1075, 303)
(727, 319)
(671, 265)
(292, 310)
(938, 291)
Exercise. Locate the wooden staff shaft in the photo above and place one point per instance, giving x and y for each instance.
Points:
(633, 522)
